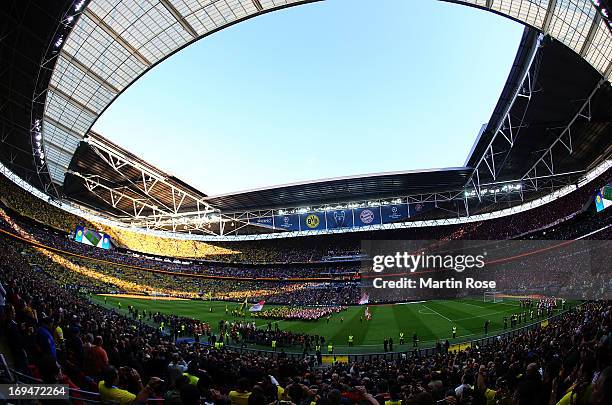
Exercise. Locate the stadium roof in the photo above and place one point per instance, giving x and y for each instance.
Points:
(114, 42)
(64, 62)
(564, 90)
(106, 177)
(562, 83)
(27, 28)
(342, 189)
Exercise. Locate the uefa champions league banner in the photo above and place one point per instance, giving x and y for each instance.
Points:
(394, 213)
(367, 216)
(287, 222)
(342, 218)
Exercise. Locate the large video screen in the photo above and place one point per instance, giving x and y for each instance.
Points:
(603, 198)
(92, 238)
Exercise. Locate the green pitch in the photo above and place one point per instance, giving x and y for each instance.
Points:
(431, 320)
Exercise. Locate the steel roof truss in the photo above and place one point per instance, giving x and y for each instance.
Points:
(117, 163)
(565, 138)
(148, 179)
(505, 130)
(92, 183)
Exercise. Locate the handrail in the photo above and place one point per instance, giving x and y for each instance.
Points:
(18, 375)
(5, 367)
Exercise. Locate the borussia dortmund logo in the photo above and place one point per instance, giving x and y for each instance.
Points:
(312, 221)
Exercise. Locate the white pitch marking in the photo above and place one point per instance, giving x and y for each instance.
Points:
(437, 313)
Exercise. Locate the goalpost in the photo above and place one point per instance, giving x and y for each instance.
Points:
(492, 296)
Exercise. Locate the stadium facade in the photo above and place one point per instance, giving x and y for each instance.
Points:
(549, 132)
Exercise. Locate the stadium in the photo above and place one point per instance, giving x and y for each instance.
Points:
(487, 283)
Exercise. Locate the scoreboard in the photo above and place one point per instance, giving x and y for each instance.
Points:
(603, 198)
(90, 237)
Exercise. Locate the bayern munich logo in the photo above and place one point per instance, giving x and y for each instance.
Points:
(366, 216)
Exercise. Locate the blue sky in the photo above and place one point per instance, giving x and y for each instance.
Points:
(336, 88)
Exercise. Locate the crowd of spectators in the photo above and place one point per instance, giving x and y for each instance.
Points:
(95, 270)
(86, 273)
(58, 240)
(579, 225)
(92, 276)
(60, 336)
(33, 207)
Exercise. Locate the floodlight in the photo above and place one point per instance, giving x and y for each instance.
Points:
(79, 5)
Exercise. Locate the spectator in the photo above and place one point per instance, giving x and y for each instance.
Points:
(44, 338)
(97, 357)
(109, 391)
(240, 396)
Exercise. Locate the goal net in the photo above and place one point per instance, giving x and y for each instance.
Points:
(492, 296)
